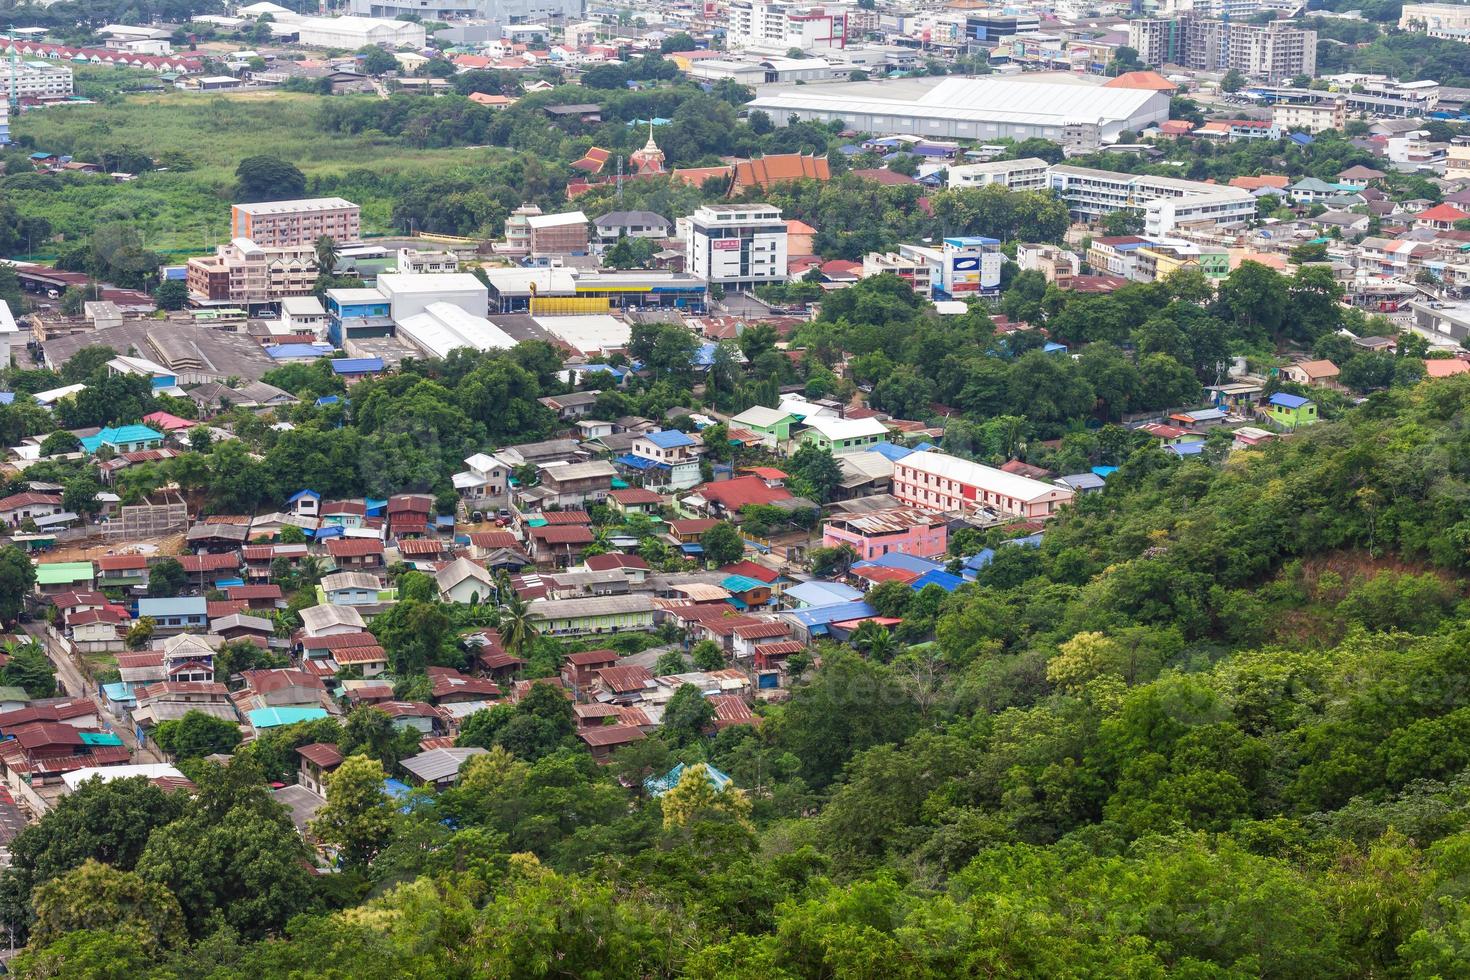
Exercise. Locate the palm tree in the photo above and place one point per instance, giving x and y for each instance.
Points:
(326, 255)
(517, 631)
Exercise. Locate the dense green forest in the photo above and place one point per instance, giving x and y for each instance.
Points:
(1213, 727)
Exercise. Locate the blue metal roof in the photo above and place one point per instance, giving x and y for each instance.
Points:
(1053, 347)
(669, 439)
(820, 593)
(636, 462)
(357, 365)
(282, 352)
(1186, 448)
(303, 494)
(938, 577)
(896, 559)
(185, 606)
(1104, 471)
(819, 617)
(1285, 400)
(889, 451)
(7, 397)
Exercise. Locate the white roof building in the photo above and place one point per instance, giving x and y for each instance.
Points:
(1054, 105)
(443, 327)
(590, 333)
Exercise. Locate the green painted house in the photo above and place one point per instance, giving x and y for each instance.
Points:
(1291, 411)
(840, 436)
(772, 424)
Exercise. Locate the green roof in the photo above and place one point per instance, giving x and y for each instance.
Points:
(14, 694)
(100, 738)
(63, 572)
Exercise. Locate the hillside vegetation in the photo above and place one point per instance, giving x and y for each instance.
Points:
(1217, 725)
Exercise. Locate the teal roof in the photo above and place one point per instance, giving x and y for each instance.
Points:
(659, 785)
(100, 738)
(741, 583)
(123, 435)
(275, 717)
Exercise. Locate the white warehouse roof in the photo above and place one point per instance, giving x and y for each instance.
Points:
(442, 327)
(1038, 101)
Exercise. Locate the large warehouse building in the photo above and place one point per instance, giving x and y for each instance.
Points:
(1067, 109)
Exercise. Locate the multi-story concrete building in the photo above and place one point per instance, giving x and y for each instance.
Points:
(1165, 202)
(557, 234)
(1445, 20)
(985, 28)
(944, 484)
(39, 80)
(283, 224)
(244, 272)
(737, 244)
(1274, 51)
(780, 26)
(1313, 117)
(1026, 174)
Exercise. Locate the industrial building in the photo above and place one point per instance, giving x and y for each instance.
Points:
(575, 291)
(1067, 109)
(350, 33)
(492, 11)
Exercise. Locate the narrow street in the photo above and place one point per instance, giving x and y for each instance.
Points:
(72, 683)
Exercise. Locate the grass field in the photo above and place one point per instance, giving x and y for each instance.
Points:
(208, 134)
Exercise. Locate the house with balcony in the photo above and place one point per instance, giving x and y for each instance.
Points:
(668, 460)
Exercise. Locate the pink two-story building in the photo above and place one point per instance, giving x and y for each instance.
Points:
(904, 530)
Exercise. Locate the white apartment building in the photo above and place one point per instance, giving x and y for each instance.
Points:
(38, 80)
(1227, 207)
(1027, 174)
(1457, 162)
(1312, 117)
(1446, 20)
(737, 244)
(1165, 202)
(783, 26)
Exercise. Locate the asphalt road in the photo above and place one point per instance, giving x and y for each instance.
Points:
(73, 684)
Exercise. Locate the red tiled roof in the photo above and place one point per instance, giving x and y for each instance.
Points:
(121, 563)
(743, 490)
(16, 500)
(778, 168)
(695, 525)
(339, 641)
(611, 735)
(882, 573)
(1150, 80)
(219, 609)
(636, 495)
(1440, 212)
(253, 592)
(623, 679)
(762, 631)
(566, 517)
(422, 546)
(883, 176)
(194, 564)
(563, 534)
(731, 709)
(779, 648)
(346, 656)
(751, 569)
(589, 657)
(353, 547)
(494, 539)
(603, 563)
(323, 754)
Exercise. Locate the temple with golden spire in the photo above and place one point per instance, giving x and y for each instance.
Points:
(650, 159)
